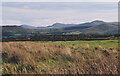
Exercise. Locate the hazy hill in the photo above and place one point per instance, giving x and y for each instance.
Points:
(67, 26)
(95, 27)
(80, 27)
(29, 27)
(60, 25)
(14, 31)
(102, 29)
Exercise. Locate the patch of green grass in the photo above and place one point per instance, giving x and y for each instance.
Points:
(104, 43)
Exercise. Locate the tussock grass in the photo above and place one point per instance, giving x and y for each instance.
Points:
(62, 57)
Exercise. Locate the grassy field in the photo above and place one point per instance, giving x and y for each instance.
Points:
(60, 57)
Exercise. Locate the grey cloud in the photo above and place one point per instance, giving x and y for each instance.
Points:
(64, 5)
(38, 14)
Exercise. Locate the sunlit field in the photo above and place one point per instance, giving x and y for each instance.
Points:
(60, 57)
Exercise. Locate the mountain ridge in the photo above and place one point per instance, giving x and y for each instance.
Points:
(96, 27)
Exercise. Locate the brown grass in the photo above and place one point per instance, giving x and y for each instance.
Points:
(44, 58)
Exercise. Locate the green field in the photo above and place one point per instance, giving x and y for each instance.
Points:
(103, 43)
(60, 57)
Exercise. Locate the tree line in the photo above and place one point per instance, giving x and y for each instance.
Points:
(63, 37)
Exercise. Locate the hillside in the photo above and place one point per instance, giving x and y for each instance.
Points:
(60, 25)
(28, 27)
(95, 27)
(19, 31)
(16, 31)
(101, 29)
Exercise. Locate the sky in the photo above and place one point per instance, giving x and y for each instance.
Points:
(47, 13)
(59, 0)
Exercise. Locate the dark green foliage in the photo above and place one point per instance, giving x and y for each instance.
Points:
(63, 37)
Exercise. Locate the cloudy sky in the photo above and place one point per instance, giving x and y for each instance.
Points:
(48, 13)
(59, 0)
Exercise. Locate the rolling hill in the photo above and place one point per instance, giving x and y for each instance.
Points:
(101, 29)
(95, 27)
(60, 25)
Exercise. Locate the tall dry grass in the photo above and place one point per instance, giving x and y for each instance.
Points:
(43, 58)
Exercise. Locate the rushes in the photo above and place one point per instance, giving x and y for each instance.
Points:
(47, 58)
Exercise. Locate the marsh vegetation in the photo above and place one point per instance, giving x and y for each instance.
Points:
(60, 57)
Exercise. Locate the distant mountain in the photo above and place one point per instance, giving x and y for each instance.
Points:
(94, 27)
(79, 27)
(41, 27)
(28, 27)
(60, 25)
(97, 22)
(102, 29)
(69, 26)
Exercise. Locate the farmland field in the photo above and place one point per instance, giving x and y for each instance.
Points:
(60, 57)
